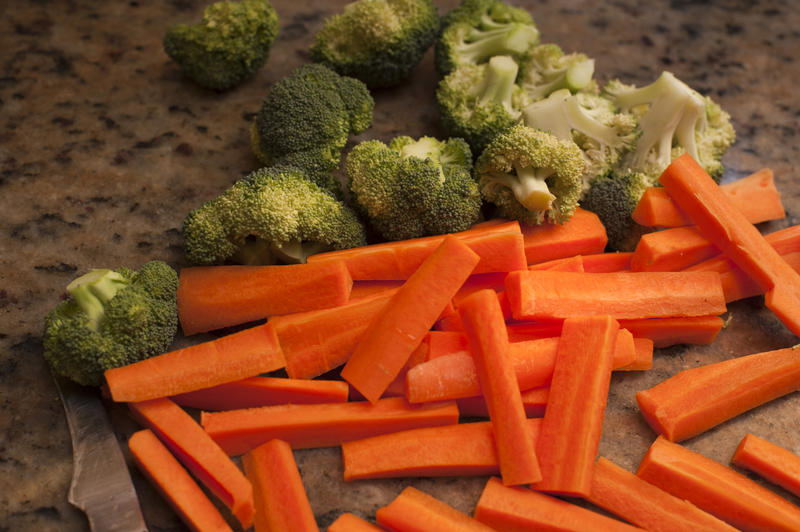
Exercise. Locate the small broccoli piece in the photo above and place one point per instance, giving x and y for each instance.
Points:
(477, 30)
(230, 44)
(531, 175)
(613, 198)
(377, 41)
(477, 102)
(273, 215)
(113, 318)
(412, 188)
(306, 119)
(547, 69)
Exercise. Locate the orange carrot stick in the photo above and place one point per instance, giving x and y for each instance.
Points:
(522, 331)
(556, 295)
(516, 509)
(664, 332)
(643, 360)
(573, 421)
(671, 250)
(641, 503)
(213, 297)
(263, 391)
(607, 262)
(717, 489)
(700, 197)
(697, 399)
(193, 447)
(348, 522)
(280, 498)
(772, 462)
(534, 401)
(401, 325)
(566, 264)
(415, 510)
(174, 483)
(480, 281)
(227, 359)
(582, 234)
(445, 343)
(320, 425)
(362, 289)
(738, 285)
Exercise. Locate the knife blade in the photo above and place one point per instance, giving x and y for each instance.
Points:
(101, 484)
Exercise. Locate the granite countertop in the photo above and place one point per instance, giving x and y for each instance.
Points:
(105, 147)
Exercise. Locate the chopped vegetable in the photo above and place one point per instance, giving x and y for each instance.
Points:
(664, 332)
(348, 522)
(772, 462)
(416, 510)
(671, 250)
(582, 234)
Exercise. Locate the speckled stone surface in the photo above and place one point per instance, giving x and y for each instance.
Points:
(105, 146)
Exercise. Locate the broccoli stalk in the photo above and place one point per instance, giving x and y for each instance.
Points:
(480, 45)
(547, 69)
(498, 85)
(93, 290)
(528, 184)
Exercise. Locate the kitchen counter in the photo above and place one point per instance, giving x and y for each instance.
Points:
(105, 147)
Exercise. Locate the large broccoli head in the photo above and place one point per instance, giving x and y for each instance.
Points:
(377, 41)
(613, 199)
(273, 215)
(230, 44)
(412, 188)
(113, 318)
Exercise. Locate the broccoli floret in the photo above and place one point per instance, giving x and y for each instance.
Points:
(547, 69)
(412, 188)
(477, 102)
(230, 44)
(531, 175)
(113, 318)
(306, 119)
(273, 215)
(377, 41)
(477, 30)
(613, 198)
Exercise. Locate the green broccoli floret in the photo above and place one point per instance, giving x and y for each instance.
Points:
(531, 175)
(477, 30)
(113, 318)
(546, 69)
(273, 215)
(377, 41)
(413, 188)
(613, 198)
(477, 102)
(230, 44)
(306, 119)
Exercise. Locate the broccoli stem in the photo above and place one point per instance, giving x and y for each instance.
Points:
(498, 84)
(93, 290)
(513, 38)
(529, 186)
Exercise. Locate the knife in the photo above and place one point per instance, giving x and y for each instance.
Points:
(101, 484)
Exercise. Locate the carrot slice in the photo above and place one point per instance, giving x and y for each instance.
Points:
(320, 425)
(516, 509)
(717, 489)
(738, 285)
(401, 325)
(697, 399)
(641, 503)
(480, 281)
(230, 358)
(643, 359)
(534, 401)
(772, 462)
(280, 498)
(415, 510)
(566, 264)
(195, 449)
(582, 234)
(522, 331)
(664, 332)
(348, 522)
(573, 421)
(213, 297)
(485, 327)
(174, 483)
(362, 289)
(445, 343)
(617, 261)
(671, 250)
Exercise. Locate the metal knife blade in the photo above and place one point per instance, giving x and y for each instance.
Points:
(101, 484)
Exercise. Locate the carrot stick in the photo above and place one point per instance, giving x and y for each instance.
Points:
(480, 281)
(445, 343)
(772, 462)
(485, 327)
(416, 511)
(641, 503)
(664, 332)
(399, 328)
(607, 262)
(397, 388)
(280, 498)
(534, 401)
(516, 509)
(717, 489)
(362, 289)
(263, 391)
(213, 297)
(556, 295)
(643, 359)
(566, 264)
(699, 196)
(521, 331)
(320, 425)
(465, 449)
(573, 421)
(174, 483)
(195, 449)
(738, 285)
(227, 359)
(671, 250)
(582, 234)
(348, 522)
(697, 399)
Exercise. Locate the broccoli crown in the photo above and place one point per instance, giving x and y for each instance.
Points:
(230, 44)
(613, 198)
(477, 30)
(377, 41)
(273, 215)
(547, 69)
(531, 175)
(113, 318)
(412, 188)
(306, 118)
(477, 102)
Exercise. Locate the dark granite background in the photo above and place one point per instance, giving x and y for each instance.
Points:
(104, 148)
